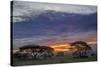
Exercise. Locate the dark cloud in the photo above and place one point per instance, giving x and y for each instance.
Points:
(69, 24)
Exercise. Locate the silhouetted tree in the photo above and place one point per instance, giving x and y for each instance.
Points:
(82, 49)
(34, 51)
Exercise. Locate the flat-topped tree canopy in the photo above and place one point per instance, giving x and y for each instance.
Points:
(36, 47)
(81, 43)
(29, 47)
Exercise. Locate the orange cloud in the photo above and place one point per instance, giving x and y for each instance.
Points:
(60, 47)
(93, 43)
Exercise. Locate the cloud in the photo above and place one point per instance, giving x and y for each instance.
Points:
(90, 36)
(22, 10)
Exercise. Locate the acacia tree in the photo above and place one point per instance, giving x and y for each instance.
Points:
(82, 48)
(35, 52)
(26, 51)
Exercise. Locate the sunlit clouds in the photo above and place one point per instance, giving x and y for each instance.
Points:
(22, 11)
(61, 38)
(54, 25)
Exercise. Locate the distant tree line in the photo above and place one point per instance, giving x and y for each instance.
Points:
(34, 52)
(83, 50)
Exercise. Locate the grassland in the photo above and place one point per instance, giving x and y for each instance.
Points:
(64, 59)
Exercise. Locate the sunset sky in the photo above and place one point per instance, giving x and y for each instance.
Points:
(45, 23)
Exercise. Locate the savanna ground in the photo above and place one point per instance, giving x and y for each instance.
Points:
(65, 59)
